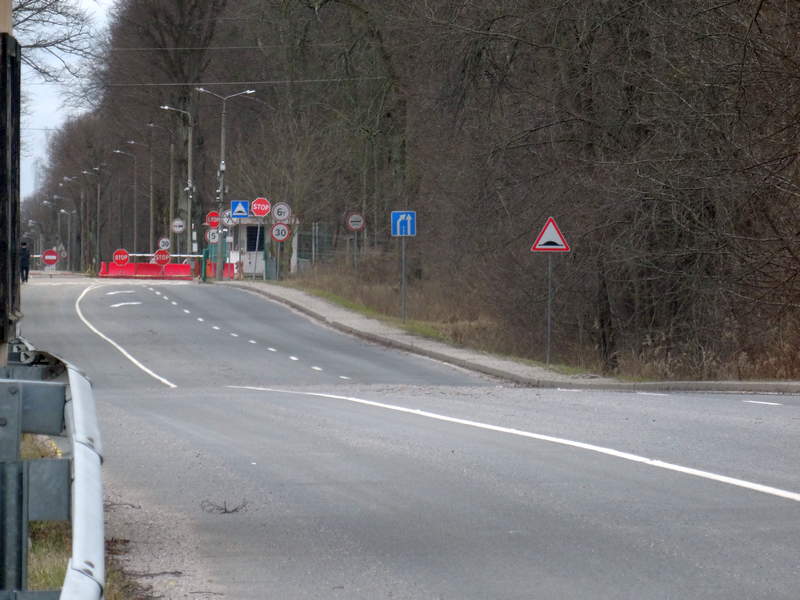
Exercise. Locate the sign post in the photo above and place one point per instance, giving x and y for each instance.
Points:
(355, 223)
(549, 240)
(404, 224)
(261, 208)
(280, 233)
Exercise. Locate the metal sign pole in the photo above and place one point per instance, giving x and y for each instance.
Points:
(549, 305)
(403, 276)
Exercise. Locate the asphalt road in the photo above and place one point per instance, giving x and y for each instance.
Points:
(266, 456)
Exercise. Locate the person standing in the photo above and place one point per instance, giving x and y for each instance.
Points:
(24, 261)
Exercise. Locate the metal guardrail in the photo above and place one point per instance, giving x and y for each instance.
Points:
(49, 489)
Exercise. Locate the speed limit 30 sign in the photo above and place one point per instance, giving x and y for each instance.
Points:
(280, 232)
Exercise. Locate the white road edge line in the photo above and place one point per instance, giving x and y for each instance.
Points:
(759, 402)
(122, 350)
(660, 464)
(118, 304)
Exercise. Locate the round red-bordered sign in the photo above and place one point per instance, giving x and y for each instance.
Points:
(50, 257)
(121, 257)
(280, 232)
(260, 207)
(162, 257)
(212, 219)
(356, 222)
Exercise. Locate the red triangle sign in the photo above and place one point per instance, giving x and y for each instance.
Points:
(550, 239)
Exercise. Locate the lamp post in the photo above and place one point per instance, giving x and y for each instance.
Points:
(189, 174)
(171, 179)
(69, 235)
(221, 175)
(149, 146)
(135, 201)
(96, 259)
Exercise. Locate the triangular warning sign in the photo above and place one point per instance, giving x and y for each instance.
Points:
(550, 239)
(239, 209)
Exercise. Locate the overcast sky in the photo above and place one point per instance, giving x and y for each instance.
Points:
(44, 110)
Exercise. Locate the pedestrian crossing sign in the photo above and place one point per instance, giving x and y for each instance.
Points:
(240, 209)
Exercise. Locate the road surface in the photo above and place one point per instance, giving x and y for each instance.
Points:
(253, 453)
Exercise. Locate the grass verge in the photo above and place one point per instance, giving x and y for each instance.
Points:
(467, 334)
(50, 547)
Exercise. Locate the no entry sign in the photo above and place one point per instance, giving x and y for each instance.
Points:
(121, 257)
(50, 257)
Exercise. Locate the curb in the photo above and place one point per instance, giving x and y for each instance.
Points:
(727, 387)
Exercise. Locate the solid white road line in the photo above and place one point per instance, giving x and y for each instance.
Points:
(759, 402)
(120, 292)
(122, 350)
(118, 304)
(660, 464)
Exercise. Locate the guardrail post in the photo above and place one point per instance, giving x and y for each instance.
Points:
(14, 518)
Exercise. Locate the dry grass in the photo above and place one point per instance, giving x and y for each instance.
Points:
(434, 309)
(50, 548)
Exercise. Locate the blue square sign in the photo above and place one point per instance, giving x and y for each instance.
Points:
(240, 209)
(404, 223)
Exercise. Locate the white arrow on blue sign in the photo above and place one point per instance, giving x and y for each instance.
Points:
(240, 209)
(404, 223)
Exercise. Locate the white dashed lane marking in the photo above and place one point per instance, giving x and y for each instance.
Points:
(188, 312)
(201, 319)
(766, 403)
(215, 327)
(252, 341)
(293, 358)
(234, 335)
(317, 368)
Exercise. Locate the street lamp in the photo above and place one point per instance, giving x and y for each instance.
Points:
(69, 214)
(171, 178)
(221, 175)
(96, 175)
(150, 193)
(189, 174)
(135, 201)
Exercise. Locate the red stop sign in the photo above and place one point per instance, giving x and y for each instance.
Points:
(261, 207)
(162, 257)
(212, 219)
(50, 257)
(121, 257)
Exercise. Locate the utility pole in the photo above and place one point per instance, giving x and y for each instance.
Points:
(10, 56)
(222, 243)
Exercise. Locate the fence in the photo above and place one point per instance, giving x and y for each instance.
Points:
(49, 489)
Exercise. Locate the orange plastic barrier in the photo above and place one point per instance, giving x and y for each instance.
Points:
(146, 271)
(227, 271)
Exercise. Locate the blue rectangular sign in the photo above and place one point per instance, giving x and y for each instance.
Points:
(404, 223)
(240, 209)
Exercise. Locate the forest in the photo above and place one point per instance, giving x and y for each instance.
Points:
(662, 136)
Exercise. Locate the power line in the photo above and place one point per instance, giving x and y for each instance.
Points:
(264, 82)
(198, 48)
